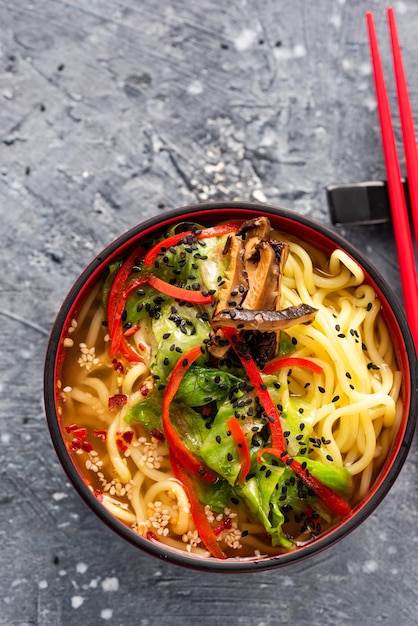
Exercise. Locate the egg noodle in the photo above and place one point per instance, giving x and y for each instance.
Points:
(353, 407)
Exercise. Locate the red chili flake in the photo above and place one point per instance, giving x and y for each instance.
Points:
(71, 428)
(144, 390)
(86, 446)
(98, 494)
(128, 436)
(142, 347)
(80, 433)
(119, 442)
(118, 366)
(102, 434)
(151, 536)
(132, 330)
(119, 399)
(226, 524)
(76, 444)
(157, 434)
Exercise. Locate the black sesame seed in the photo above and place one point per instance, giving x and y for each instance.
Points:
(335, 398)
(229, 456)
(218, 439)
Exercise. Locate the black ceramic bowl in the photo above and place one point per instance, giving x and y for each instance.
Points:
(293, 224)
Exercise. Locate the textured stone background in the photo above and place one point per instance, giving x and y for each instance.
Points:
(113, 111)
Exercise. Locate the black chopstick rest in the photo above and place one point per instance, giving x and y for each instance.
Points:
(360, 203)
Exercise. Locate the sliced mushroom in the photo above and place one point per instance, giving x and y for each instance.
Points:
(281, 250)
(247, 319)
(235, 280)
(250, 298)
(257, 227)
(264, 275)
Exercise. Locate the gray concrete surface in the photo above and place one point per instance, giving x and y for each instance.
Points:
(112, 111)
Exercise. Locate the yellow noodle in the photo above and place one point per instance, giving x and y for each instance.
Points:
(101, 389)
(175, 487)
(136, 374)
(118, 511)
(119, 464)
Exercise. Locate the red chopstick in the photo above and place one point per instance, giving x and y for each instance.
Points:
(400, 219)
(407, 120)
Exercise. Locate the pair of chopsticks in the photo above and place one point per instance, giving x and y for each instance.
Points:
(400, 218)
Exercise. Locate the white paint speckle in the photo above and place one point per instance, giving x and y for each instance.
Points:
(369, 567)
(43, 584)
(259, 196)
(335, 20)
(401, 8)
(106, 614)
(59, 495)
(6, 438)
(299, 51)
(195, 88)
(365, 69)
(285, 54)
(347, 65)
(370, 104)
(77, 601)
(81, 568)
(62, 572)
(245, 39)
(110, 584)
(392, 549)
(93, 583)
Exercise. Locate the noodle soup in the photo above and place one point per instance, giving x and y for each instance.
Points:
(229, 391)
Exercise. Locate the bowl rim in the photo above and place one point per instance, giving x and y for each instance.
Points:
(360, 513)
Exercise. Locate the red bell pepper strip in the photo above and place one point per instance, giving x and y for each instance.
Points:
(260, 388)
(118, 341)
(292, 361)
(331, 499)
(242, 447)
(118, 286)
(173, 240)
(197, 510)
(179, 448)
